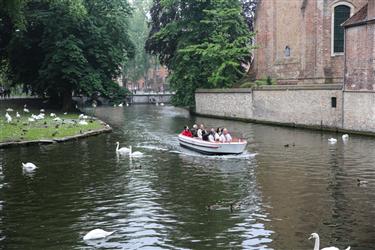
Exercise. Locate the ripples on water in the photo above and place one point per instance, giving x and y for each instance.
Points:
(160, 200)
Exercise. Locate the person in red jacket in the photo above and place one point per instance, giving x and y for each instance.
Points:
(187, 132)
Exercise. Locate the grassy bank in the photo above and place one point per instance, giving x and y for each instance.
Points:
(21, 129)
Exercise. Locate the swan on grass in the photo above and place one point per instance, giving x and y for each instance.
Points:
(83, 123)
(26, 110)
(317, 243)
(9, 110)
(29, 167)
(122, 150)
(8, 118)
(18, 115)
(97, 234)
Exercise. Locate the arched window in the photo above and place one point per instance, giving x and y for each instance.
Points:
(341, 13)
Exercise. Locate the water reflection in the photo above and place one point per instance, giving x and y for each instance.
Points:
(160, 200)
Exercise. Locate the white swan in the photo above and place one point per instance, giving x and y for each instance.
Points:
(127, 104)
(57, 119)
(122, 150)
(8, 117)
(97, 234)
(18, 115)
(332, 140)
(29, 167)
(162, 104)
(345, 137)
(317, 243)
(26, 110)
(30, 119)
(82, 122)
(52, 115)
(121, 105)
(134, 154)
(9, 110)
(42, 111)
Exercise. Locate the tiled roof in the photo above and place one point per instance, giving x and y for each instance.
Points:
(360, 17)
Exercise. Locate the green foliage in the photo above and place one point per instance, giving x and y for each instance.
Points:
(138, 31)
(72, 45)
(205, 44)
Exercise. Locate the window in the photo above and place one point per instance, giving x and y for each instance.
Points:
(333, 102)
(340, 14)
(287, 51)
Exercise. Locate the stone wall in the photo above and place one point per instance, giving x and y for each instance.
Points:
(299, 106)
(293, 105)
(359, 112)
(310, 107)
(215, 102)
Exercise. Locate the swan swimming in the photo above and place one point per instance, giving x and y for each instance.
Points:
(317, 243)
(345, 137)
(134, 154)
(97, 234)
(332, 140)
(121, 104)
(122, 150)
(162, 104)
(29, 167)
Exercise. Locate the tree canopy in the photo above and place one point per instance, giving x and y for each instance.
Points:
(71, 45)
(204, 44)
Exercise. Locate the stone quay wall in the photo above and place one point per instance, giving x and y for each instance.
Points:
(325, 107)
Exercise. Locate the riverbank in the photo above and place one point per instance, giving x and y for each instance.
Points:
(322, 107)
(51, 129)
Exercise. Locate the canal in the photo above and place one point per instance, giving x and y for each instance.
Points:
(159, 201)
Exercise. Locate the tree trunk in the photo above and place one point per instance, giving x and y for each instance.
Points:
(67, 100)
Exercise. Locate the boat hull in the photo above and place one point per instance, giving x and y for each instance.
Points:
(212, 148)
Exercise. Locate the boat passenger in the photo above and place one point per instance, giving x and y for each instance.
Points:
(211, 135)
(194, 130)
(228, 137)
(201, 131)
(187, 132)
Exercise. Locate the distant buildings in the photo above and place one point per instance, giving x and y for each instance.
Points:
(155, 80)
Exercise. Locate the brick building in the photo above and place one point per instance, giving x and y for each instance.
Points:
(360, 49)
(302, 41)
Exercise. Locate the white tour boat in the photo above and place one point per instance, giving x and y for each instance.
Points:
(237, 146)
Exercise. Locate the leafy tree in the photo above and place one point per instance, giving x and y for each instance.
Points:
(204, 43)
(72, 45)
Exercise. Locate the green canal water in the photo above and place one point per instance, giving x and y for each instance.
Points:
(160, 201)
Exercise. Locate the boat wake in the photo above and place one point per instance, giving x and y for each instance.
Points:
(244, 155)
